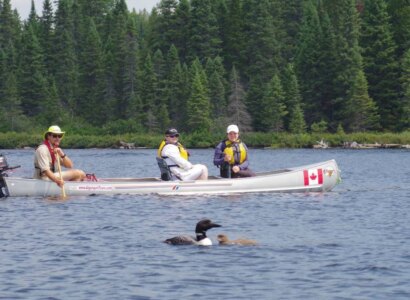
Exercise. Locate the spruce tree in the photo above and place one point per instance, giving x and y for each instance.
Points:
(65, 62)
(33, 85)
(274, 109)
(46, 35)
(236, 112)
(198, 106)
(159, 65)
(261, 54)
(148, 89)
(172, 73)
(204, 39)
(216, 85)
(52, 112)
(345, 21)
(291, 14)
(232, 33)
(399, 11)
(165, 25)
(183, 20)
(363, 110)
(380, 61)
(10, 105)
(297, 122)
(404, 122)
(292, 97)
(92, 81)
(33, 19)
(9, 26)
(328, 68)
(308, 63)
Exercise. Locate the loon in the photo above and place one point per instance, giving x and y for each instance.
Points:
(224, 240)
(201, 238)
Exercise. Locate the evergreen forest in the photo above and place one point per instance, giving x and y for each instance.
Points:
(267, 65)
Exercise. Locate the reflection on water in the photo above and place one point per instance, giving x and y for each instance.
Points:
(350, 243)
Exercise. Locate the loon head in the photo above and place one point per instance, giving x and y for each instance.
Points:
(202, 226)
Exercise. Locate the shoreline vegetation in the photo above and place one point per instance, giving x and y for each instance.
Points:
(364, 140)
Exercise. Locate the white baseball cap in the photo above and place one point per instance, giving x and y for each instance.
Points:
(232, 128)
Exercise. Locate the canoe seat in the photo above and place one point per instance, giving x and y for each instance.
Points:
(166, 174)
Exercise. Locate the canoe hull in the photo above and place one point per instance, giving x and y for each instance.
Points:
(320, 177)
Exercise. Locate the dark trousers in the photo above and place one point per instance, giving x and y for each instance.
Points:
(226, 170)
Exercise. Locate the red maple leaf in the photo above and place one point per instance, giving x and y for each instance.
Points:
(313, 176)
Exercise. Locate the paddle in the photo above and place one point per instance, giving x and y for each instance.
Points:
(63, 194)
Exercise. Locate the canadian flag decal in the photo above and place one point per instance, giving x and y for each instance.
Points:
(313, 176)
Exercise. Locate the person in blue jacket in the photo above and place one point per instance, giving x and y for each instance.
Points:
(231, 155)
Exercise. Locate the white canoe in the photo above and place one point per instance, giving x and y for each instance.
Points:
(319, 177)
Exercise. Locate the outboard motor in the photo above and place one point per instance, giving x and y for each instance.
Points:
(4, 167)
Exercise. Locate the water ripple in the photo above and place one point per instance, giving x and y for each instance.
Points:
(350, 243)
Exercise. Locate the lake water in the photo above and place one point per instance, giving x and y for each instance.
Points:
(351, 243)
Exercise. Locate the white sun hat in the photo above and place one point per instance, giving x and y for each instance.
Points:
(232, 128)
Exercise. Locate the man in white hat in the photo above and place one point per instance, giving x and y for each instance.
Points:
(45, 159)
(231, 155)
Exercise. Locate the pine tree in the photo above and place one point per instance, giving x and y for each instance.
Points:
(292, 97)
(10, 104)
(345, 21)
(399, 11)
(274, 109)
(33, 19)
(308, 63)
(297, 122)
(292, 12)
(178, 91)
(363, 111)
(380, 61)
(261, 54)
(198, 106)
(404, 122)
(236, 112)
(183, 20)
(215, 73)
(204, 40)
(232, 33)
(9, 26)
(10, 108)
(92, 81)
(148, 89)
(33, 84)
(52, 112)
(130, 68)
(159, 65)
(163, 117)
(165, 25)
(65, 58)
(46, 35)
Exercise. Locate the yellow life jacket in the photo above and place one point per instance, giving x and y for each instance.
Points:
(236, 150)
(182, 150)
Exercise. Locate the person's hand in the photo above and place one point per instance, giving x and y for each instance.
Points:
(59, 182)
(235, 169)
(227, 157)
(59, 152)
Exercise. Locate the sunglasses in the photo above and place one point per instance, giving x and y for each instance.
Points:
(57, 136)
(174, 135)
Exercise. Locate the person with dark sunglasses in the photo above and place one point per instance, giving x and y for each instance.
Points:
(176, 157)
(46, 156)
